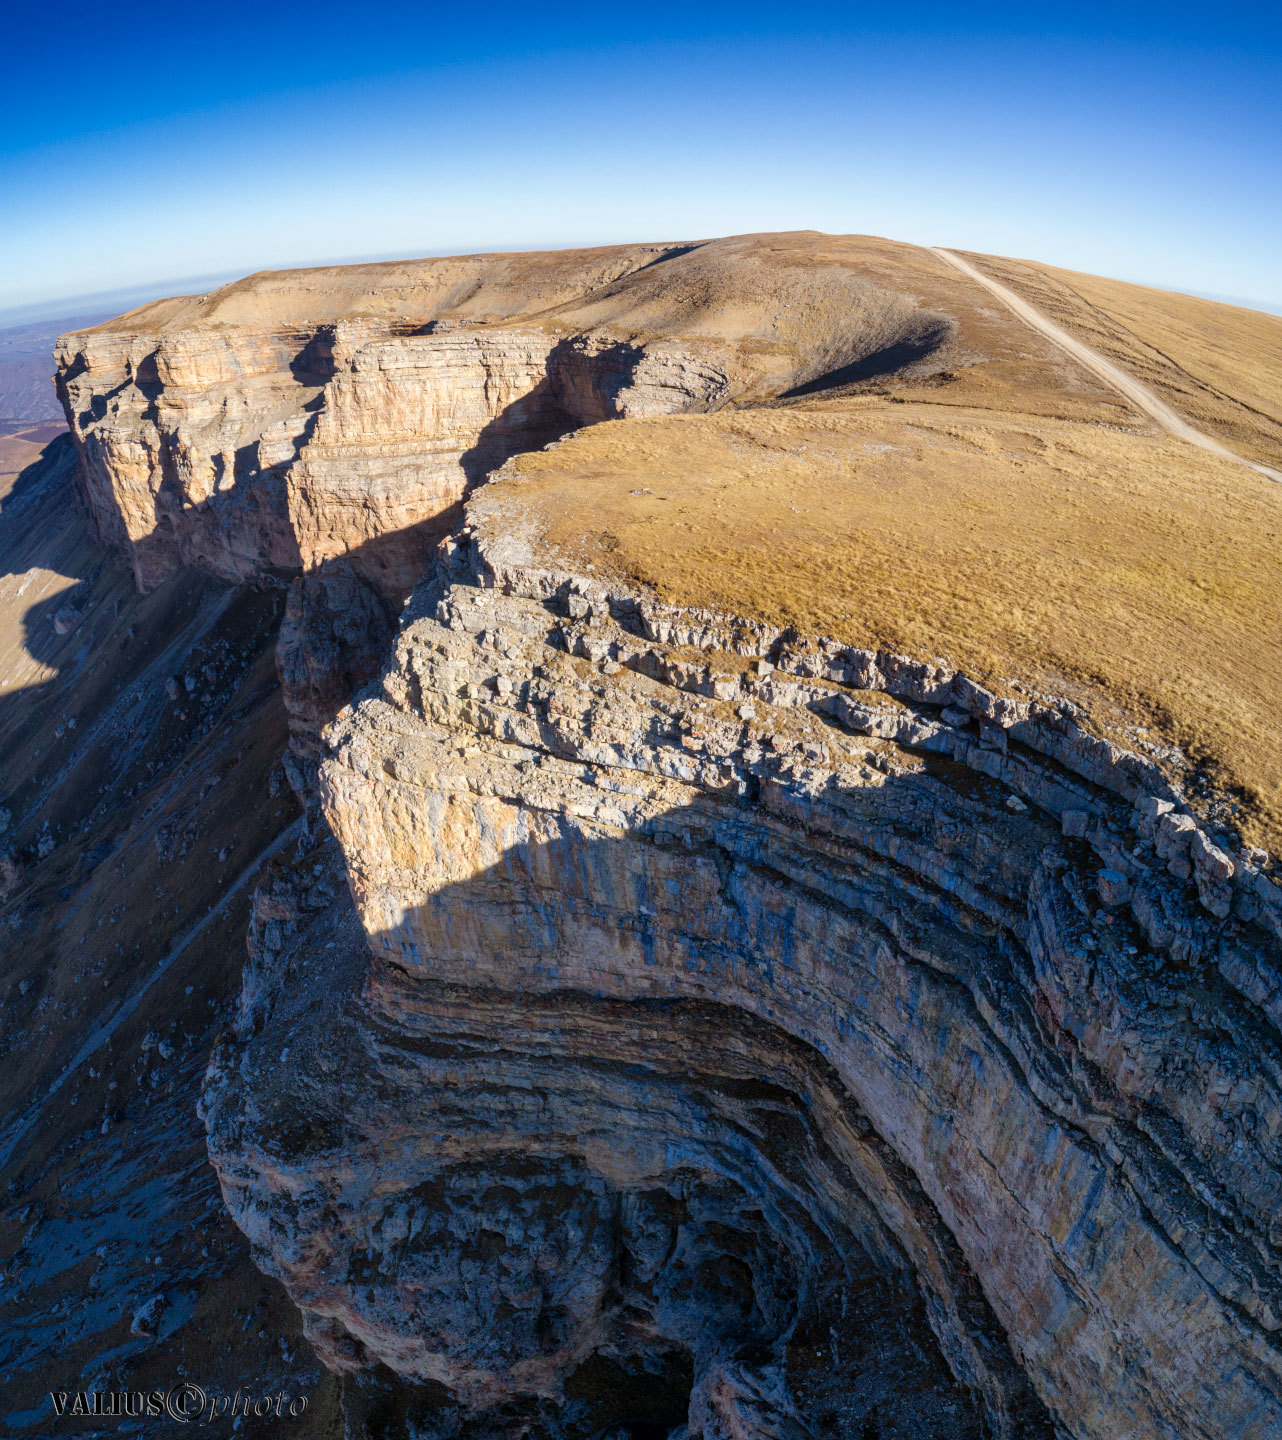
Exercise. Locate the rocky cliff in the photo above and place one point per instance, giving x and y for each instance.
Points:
(615, 863)
(334, 455)
(723, 1030)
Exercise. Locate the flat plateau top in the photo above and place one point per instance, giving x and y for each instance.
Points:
(805, 296)
(907, 463)
(1010, 516)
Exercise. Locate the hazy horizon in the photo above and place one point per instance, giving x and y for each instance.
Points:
(119, 302)
(1144, 146)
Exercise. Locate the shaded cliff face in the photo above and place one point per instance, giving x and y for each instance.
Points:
(684, 1026)
(611, 872)
(512, 1214)
(135, 814)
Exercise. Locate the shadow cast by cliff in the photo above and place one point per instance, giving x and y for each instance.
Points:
(584, 1211)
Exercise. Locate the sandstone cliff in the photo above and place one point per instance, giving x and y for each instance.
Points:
(265, 455)
(726, 1030)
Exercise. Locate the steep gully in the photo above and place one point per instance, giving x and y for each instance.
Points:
(722, 1021)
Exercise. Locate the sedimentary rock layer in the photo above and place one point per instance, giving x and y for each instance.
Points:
(263, 455)
(1034, 1071)
(337, 454)
(693, 1028)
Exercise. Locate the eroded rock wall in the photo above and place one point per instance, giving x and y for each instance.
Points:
(261, 454)
(1017, 1005)
(334, 457)
(692, 1029)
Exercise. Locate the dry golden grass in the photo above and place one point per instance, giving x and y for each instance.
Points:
(961, 487)
(776, 310)
(1218, 365)
(1131, 571)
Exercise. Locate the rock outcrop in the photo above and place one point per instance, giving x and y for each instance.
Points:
(271, 456)
(617, 867)
(693, 1028)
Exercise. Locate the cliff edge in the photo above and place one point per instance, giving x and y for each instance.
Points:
(802, 758)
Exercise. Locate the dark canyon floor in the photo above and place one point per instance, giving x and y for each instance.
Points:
(148, 820)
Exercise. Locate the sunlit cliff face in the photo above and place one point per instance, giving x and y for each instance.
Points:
(715, 1008)
(680, 1025)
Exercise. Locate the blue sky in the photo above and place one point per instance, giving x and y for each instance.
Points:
(146, 145)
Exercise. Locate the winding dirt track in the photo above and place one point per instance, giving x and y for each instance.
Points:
(1139, 395)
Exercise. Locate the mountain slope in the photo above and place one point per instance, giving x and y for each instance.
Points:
(795, 744)
(1219, 365)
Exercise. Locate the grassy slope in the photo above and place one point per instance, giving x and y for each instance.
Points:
(1219, 365)
(1066, 557)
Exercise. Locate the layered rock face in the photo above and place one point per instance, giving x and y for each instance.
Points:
(264, 455)
(716, 972)
(338, 455)
(691, 1029)
(634, 1222)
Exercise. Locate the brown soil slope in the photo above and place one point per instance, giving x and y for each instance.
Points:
(139, 812)
(1064, 558)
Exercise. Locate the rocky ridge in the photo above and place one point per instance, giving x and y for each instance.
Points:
(1048, 995)
(718, 1023)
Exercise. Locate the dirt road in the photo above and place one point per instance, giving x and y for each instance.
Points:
(1139, 395)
